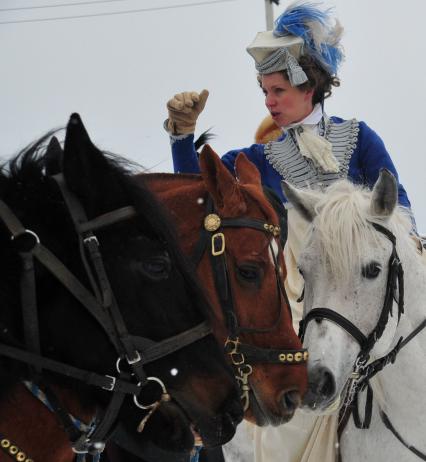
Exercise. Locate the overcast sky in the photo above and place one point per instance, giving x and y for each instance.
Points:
(118, 71)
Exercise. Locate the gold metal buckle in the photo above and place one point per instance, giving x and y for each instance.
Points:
(215, 237)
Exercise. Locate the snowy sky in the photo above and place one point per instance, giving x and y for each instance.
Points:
(118, 71)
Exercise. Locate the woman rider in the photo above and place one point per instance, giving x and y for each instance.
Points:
(297, 64)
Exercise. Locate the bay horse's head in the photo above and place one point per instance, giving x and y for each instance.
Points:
(111, 293)
(259, 331)
(232, 231)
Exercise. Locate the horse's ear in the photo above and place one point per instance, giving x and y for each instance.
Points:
(54, 154)
(220, 184)
(303, 201)
(246, 171)
(385, 195)
(83, 163)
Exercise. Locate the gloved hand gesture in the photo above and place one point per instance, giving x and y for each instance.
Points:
(184, 109)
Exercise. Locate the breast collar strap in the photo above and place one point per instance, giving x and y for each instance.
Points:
(137, 351)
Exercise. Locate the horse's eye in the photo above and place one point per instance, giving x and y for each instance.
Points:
(248, 273)
(156, 267)
(371, 270)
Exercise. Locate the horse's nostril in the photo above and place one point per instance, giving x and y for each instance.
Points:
(291, 400)
(326, 385)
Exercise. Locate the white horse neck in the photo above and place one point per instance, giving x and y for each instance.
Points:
(403, 382)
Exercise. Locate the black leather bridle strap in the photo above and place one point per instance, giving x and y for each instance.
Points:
(368, 410)
(64, 275)
(107, 219)
(333, 316)
(389, 426)
(79, 217)
(151, 351)
(90, 378)
(254, 354)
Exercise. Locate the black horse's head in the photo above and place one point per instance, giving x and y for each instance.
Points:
(153, 296)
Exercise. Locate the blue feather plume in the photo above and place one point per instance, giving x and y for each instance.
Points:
(315, 26)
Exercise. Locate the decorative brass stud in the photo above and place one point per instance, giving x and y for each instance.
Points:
(298, 357)
(20, 457)
(212, 222)
(282, 357)
(274, 230)
(290, 357)
(13, 450)
(306, 355)
(5, 443)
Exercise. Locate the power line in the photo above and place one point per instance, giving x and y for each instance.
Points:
(113, 13)
(37, 7)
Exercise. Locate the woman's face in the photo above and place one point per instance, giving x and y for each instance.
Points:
(286, 104)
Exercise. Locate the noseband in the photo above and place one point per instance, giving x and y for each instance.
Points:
(136, 351)
(362, 370)
(242, 354)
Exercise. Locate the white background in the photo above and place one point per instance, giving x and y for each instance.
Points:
(118, 71)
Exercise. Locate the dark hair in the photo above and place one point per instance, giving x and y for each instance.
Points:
(318, 79)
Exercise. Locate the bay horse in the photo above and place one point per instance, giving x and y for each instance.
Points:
(252, 318)
(365, 286)
(101, 319)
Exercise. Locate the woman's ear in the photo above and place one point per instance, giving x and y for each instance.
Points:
(309, 94)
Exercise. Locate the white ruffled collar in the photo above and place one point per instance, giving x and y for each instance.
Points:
(314, 118)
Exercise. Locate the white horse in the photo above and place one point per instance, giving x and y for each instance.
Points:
(351, 317)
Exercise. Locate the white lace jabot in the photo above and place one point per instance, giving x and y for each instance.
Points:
(311, 144)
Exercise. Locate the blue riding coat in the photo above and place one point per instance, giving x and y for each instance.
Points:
(359, 150)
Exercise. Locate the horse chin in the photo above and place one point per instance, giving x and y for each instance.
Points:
(214, 430)
(261, 416)
(171, 425)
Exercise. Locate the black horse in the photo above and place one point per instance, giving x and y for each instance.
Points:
(99, 315)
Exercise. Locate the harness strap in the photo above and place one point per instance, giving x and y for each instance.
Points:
(255, 354)
(106, 382)
(368, 410)
(64, 275)
(151, 351)
(107, 219)
(13, 450)
(389, 426)
(29, 303)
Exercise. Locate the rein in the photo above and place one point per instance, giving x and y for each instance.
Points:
(364, 371)
(137, 351)
(242, 355)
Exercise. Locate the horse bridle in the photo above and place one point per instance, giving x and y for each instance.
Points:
(137, 351)
(242, 355)
(362, 370)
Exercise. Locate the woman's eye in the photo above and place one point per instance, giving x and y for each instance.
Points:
(371, 270)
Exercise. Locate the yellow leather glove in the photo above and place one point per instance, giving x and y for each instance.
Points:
(184, 109)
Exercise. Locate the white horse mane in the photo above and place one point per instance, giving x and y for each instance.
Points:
(343, 223)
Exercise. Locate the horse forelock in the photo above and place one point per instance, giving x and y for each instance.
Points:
(343, 223)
